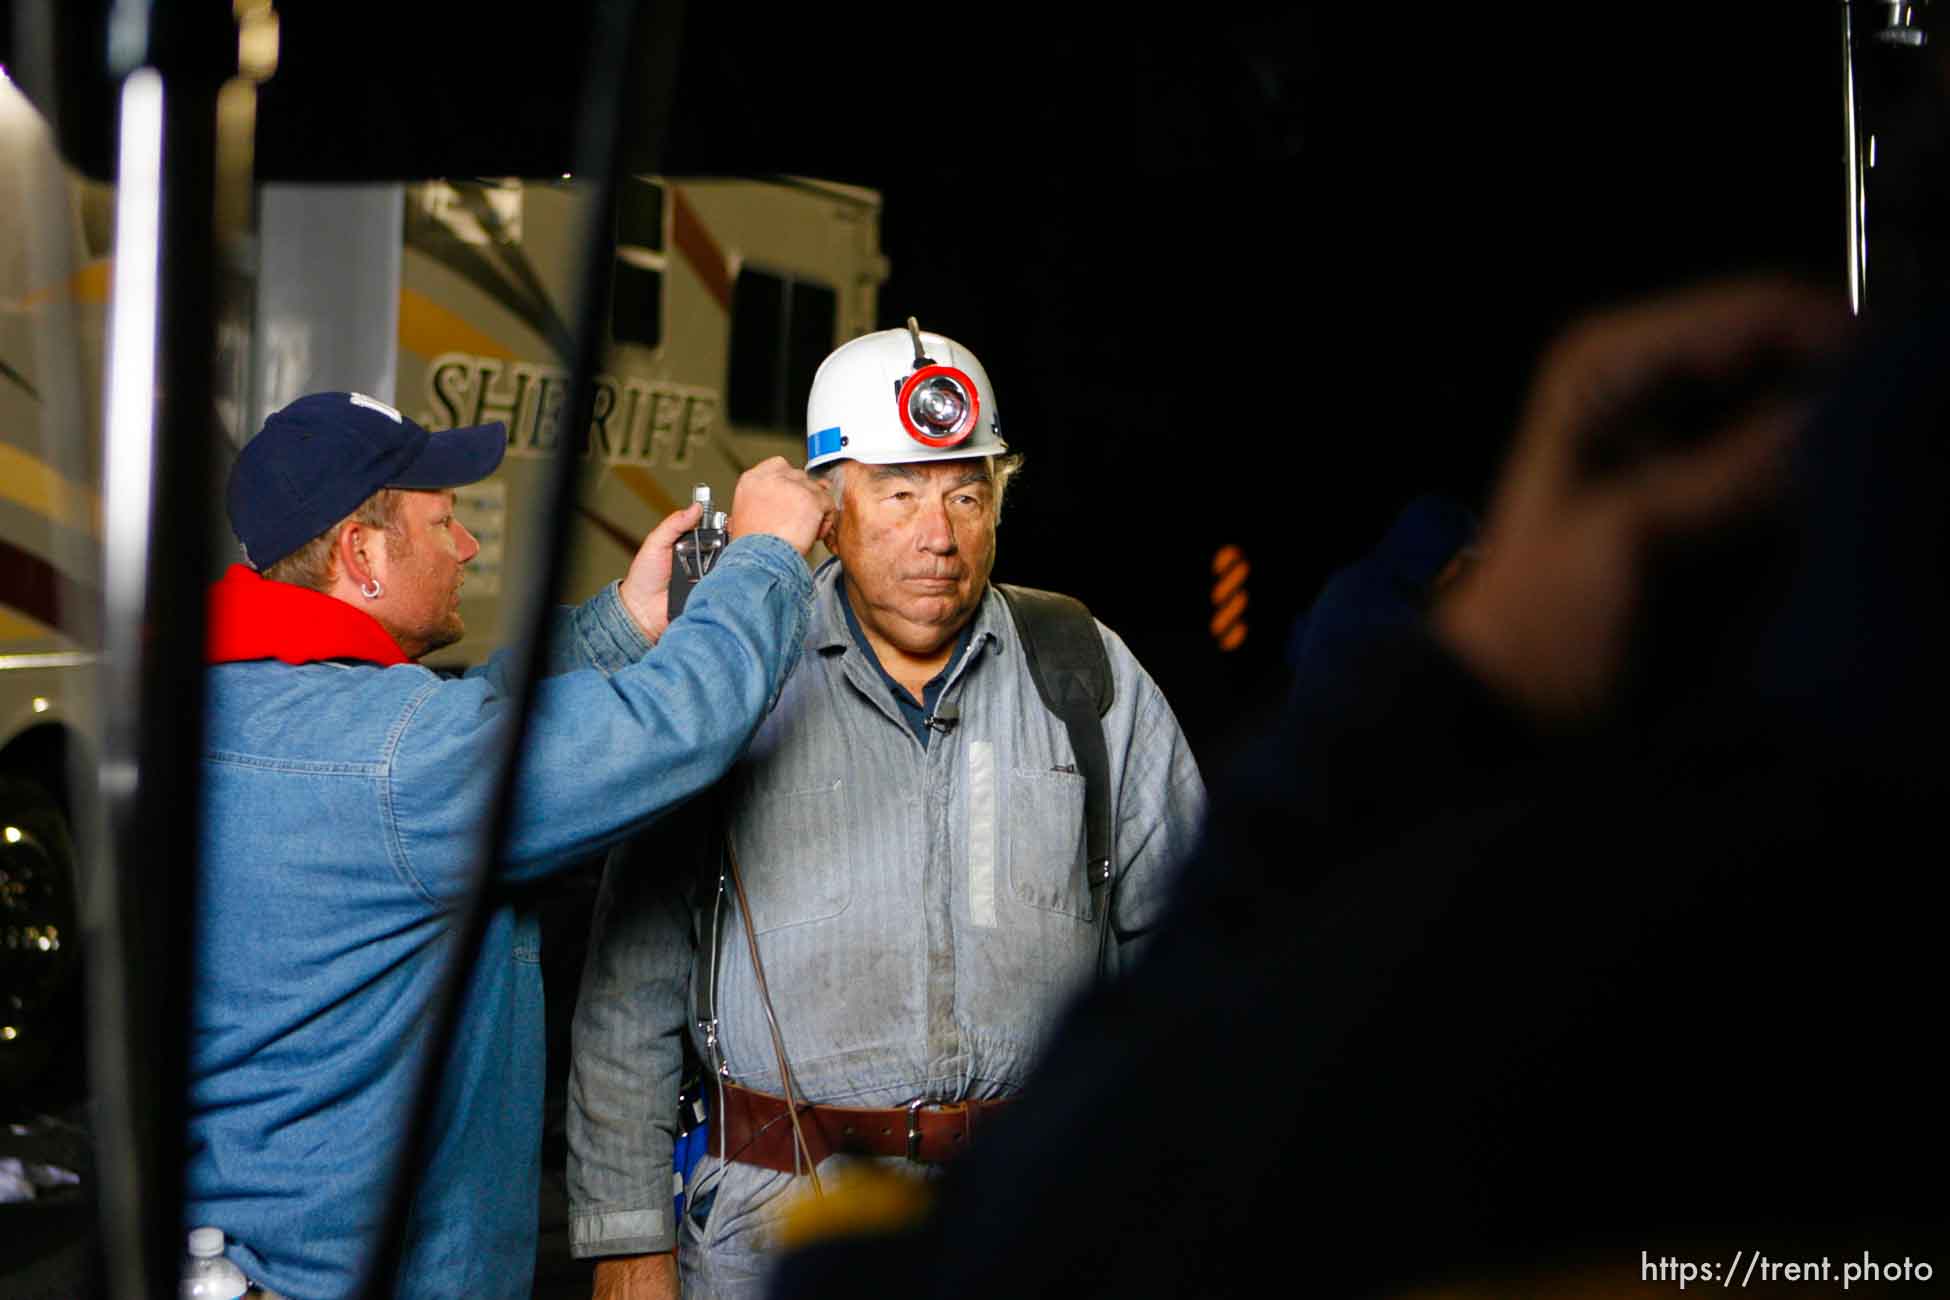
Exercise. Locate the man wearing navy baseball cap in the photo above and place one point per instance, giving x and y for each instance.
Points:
(345, 456)
(343, 784)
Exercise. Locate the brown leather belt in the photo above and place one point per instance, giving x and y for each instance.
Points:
(758, 1132)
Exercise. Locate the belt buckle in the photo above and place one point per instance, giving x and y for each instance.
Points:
(914, 1128)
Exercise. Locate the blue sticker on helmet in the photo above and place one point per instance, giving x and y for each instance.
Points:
(823, 443)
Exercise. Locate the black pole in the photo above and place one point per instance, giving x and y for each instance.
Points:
(611, 30)
(153, 669)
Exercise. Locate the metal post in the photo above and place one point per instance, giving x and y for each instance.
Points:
(1855, 171)
(160, 410)
(613, 24)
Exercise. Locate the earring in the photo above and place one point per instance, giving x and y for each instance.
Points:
(371, 589)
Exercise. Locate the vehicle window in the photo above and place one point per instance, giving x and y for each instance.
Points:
(636, 297)
(781, 328)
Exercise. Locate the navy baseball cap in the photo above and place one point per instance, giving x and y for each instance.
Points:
(314, 461)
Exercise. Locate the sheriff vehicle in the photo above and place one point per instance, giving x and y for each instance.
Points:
(725, 295)
(449, 299)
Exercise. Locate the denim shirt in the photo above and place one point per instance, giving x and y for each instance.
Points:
(341, 805)
(922, 912)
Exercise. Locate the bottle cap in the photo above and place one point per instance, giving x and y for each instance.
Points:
(206, 1243)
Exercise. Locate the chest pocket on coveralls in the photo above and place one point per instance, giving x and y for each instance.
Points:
(1045, 839)
(792, 853)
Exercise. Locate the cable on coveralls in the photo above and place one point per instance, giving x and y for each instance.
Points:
(772, 1020)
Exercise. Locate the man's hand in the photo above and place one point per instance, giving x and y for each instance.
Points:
(772, 497)
(1546, 615)
(645, 589)
(637, 1277)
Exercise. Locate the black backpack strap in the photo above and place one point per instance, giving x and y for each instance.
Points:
(1072, 673)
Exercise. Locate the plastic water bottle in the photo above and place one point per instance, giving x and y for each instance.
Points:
(207, 1275)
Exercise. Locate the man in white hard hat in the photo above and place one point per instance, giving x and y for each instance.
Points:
(904, 849)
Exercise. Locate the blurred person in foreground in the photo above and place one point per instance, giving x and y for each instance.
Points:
(910, 827)
(1618, 943)
(1380, 597)
(343, 789)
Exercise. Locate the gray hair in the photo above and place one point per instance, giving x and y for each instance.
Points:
(1002, 470)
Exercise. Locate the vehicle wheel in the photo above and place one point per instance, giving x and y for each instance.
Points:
(40, 949)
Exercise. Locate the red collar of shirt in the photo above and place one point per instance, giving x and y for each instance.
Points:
(251, 617)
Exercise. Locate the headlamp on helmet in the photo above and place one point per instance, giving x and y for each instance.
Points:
(939, 404)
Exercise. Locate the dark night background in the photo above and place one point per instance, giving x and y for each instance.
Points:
(1242, 274)
(1261, 275)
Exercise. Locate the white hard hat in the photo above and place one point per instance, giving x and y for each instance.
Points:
(900, 396)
